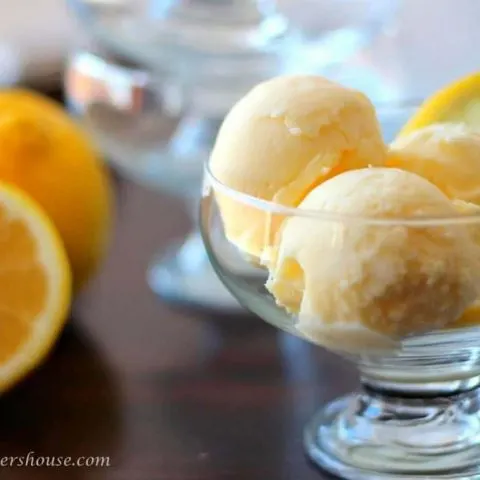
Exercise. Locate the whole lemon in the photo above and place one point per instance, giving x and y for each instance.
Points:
(45, 153)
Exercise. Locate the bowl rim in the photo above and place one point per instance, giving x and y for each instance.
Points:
(211, 182)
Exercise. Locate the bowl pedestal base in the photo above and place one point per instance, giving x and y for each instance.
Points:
(380, 434)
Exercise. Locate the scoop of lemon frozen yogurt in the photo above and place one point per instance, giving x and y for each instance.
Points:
(359, 277)
(447, 154)
(286, 136)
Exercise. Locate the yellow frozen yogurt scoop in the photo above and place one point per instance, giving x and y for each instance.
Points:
(285, 137)
(358, 285)
(446, 154)
(457, 103)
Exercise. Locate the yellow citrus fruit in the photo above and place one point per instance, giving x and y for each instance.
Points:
(35, 285)
(46, 154)
(457, 102)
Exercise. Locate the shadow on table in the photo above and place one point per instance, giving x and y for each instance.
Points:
(69, 407)
(240, 413)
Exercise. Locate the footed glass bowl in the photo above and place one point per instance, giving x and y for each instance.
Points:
(417, 415)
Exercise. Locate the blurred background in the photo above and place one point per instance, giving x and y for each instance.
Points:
(429, 40)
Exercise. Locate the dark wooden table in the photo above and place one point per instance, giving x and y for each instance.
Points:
(167, 394)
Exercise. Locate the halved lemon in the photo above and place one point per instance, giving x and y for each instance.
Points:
(457, 102)
(35, 285)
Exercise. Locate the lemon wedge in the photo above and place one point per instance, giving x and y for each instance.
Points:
(35, 285)
(457, 102)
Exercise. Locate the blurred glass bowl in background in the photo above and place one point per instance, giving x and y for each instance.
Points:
(199, 58)
(157, 78)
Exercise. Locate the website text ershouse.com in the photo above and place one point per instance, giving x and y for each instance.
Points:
(34, 460)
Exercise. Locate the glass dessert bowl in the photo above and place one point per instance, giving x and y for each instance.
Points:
(360, 285)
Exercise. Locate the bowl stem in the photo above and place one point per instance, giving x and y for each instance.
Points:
(415, 429)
